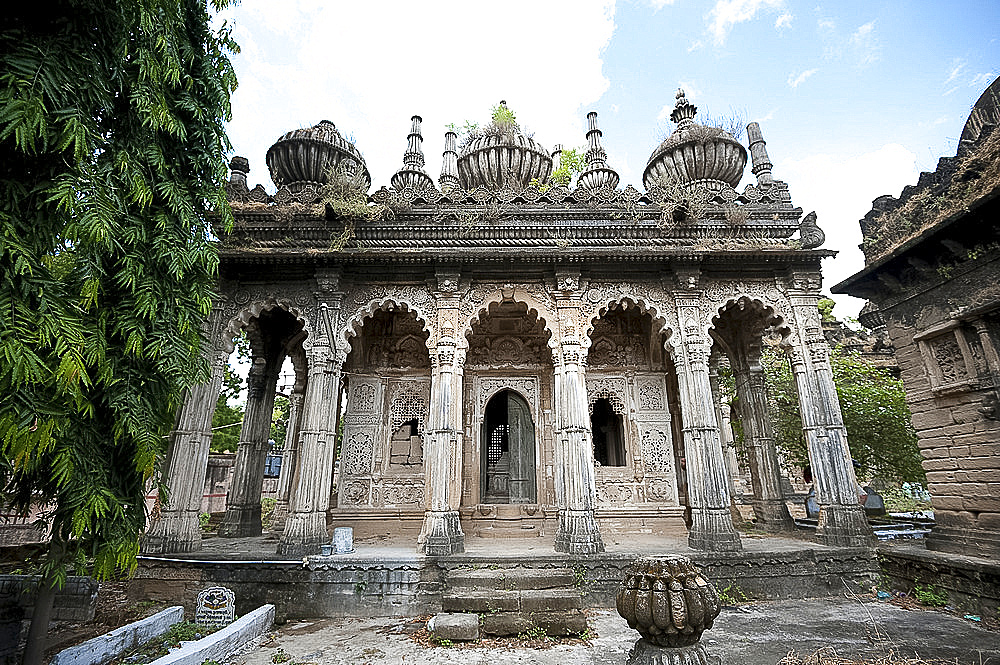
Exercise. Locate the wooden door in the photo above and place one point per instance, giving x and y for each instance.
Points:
(521, 444)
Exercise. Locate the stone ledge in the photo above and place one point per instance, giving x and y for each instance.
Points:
(224, 643)
(105, 647)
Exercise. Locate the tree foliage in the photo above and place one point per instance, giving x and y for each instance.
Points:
(228, 416)
(112, 153)
(881, 437)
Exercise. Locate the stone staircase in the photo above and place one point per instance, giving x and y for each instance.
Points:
(512, 601)
(506, 521)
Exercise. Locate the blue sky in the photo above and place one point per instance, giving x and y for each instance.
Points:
(854, 98)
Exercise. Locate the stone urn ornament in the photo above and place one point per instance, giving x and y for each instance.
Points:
(695, 154)
(499, 155)
(671, 604)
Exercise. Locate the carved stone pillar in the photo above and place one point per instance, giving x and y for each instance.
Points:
(176, 529)
(289, 461)
(574, 449)
(305, 526)
(725, 427)
(242, 516)
(708, 483)
(842, 520)
(758, 436)
(441, 533)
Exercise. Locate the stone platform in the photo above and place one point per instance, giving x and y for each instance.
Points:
(392, 579)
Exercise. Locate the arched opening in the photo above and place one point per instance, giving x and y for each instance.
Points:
(609, 435)
(507, 456)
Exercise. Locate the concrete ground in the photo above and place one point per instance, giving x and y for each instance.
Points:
(760, 633)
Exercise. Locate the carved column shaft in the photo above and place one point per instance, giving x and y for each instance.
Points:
(243, 501)
(725, 427)
(441, 533)
(758, 435)
(577, 532)
(708, 483)
(176, 529)
(842, 520)
(289, 462)
(305, 528)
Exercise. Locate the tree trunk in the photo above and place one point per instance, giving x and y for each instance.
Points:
(35, 648)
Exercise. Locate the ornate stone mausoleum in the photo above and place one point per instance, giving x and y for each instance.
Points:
(496, 355)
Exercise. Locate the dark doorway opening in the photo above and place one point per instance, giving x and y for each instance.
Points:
(609, 436)
(508, 451)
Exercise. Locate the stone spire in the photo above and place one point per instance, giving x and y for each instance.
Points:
(449, 163)
(684, 111)
(758, 155)
(597, 174)
(412, 174)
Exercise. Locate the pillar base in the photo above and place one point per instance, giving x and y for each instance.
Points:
(712, 531)
(304, 533)
(442, 533)
(646, 653)
(578, 533)
(844, 526)
(241, 522)
(773, 515)
(278, 518)
(173, 532)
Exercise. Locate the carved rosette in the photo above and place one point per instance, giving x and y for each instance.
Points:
(306, 157)
(667, 600)
(495, 161)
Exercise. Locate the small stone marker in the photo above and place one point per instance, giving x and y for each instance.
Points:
(216, 607)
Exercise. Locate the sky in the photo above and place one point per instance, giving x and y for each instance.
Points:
(854, 99)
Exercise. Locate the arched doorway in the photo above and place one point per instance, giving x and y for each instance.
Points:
(508, 451)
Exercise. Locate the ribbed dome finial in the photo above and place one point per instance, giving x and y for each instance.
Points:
(684, 111)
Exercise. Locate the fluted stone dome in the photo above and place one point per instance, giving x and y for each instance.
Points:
(501, 156)
(309, 156)
(695, 154)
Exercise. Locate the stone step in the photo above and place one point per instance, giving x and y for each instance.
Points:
(510, 578)
(523, 601)
(553, 623)
(504, 531)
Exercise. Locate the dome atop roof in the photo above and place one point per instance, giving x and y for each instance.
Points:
(695, 154)
(986, 111)
(500, 155)
(309, 156)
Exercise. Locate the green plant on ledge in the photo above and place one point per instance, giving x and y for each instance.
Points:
(930, 595)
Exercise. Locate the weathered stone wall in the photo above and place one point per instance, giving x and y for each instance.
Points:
(971, 585)
(396, 586)
(951, 391)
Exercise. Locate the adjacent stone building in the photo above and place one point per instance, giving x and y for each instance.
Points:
(498, 355)
(933, 272)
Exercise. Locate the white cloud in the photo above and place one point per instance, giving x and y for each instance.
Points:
(664, 112)
(958, 66)
(444, 61)
(657, 5)
(727, 13)
(865, 45)
(795, 80)
(695, 45)
(883, 171)
(769, 116)
(980, 81)
(783, 21)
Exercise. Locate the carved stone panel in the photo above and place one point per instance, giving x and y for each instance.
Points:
(657, 449)
(650, 393)
(612, 389)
